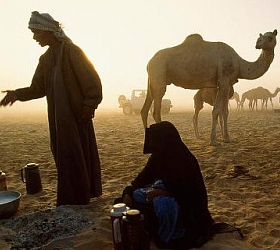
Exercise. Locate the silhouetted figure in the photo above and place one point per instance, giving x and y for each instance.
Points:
(170, 191)
(73, 90)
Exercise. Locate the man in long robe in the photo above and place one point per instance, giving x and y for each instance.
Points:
(73, 90)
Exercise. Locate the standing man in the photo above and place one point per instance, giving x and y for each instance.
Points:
(73, 90)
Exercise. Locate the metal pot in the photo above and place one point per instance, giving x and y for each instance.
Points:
(30, 175)
(9, 203)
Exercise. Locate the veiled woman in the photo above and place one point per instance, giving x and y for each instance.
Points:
(170, 191)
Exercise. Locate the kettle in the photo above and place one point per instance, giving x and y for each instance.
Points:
(3, 184)
(30, 175)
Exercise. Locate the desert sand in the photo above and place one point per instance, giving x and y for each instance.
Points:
(249, 200)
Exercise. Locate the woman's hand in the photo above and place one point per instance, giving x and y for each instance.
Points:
(127, 200)
(156, 192)
(9, 99)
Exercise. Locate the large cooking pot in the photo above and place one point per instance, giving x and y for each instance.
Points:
(9, 203)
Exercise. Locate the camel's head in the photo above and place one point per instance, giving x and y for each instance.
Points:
(267, 41)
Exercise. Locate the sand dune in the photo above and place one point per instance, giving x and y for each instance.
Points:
(249, 200)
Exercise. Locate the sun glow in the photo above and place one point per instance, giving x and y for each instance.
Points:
(121, 36)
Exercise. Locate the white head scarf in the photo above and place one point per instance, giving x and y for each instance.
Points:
(44, 21)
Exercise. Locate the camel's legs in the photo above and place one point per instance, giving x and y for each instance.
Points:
(241, 105)
(156, 96)
(264, 103)
(145, 110)
(225, 128)
(238, 105)
(251, 105)
(195, 121)
(213, 138)
(146, 107)
(271, 102)
(198, 105)
(221, 121)
(238, 102)
(157, 109)
(158, 93)
(255, 104)
(220, 109)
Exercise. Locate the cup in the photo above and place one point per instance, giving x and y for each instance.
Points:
(3, 184)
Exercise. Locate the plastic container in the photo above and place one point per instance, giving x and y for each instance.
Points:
(116, 215)
(134, 234)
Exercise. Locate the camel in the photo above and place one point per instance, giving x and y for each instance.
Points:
(197, 64)
(207, 95)
(250, 95)
(258, 93)
(237, 99)
(265, 95)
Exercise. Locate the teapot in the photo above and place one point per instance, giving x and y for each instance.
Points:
(30, 175)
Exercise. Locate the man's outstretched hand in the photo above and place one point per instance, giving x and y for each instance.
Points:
(9, 99)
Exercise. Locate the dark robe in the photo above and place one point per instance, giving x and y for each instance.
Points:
(72, 138)
(173, 163)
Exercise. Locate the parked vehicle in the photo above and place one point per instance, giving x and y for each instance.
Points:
(135, 104)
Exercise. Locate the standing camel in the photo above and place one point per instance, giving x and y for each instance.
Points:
(206, 95)
(258, 93)
(197, 64)
(250, 95)
(265, 95)
(236, 97)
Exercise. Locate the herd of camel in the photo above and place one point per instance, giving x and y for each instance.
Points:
(253, 95)
(208, 95)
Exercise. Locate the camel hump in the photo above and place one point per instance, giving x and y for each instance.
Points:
(193, 38)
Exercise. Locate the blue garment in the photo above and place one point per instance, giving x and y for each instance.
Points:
(139, 195)
(166, 209)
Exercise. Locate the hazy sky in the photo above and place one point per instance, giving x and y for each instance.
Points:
(120, 37)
